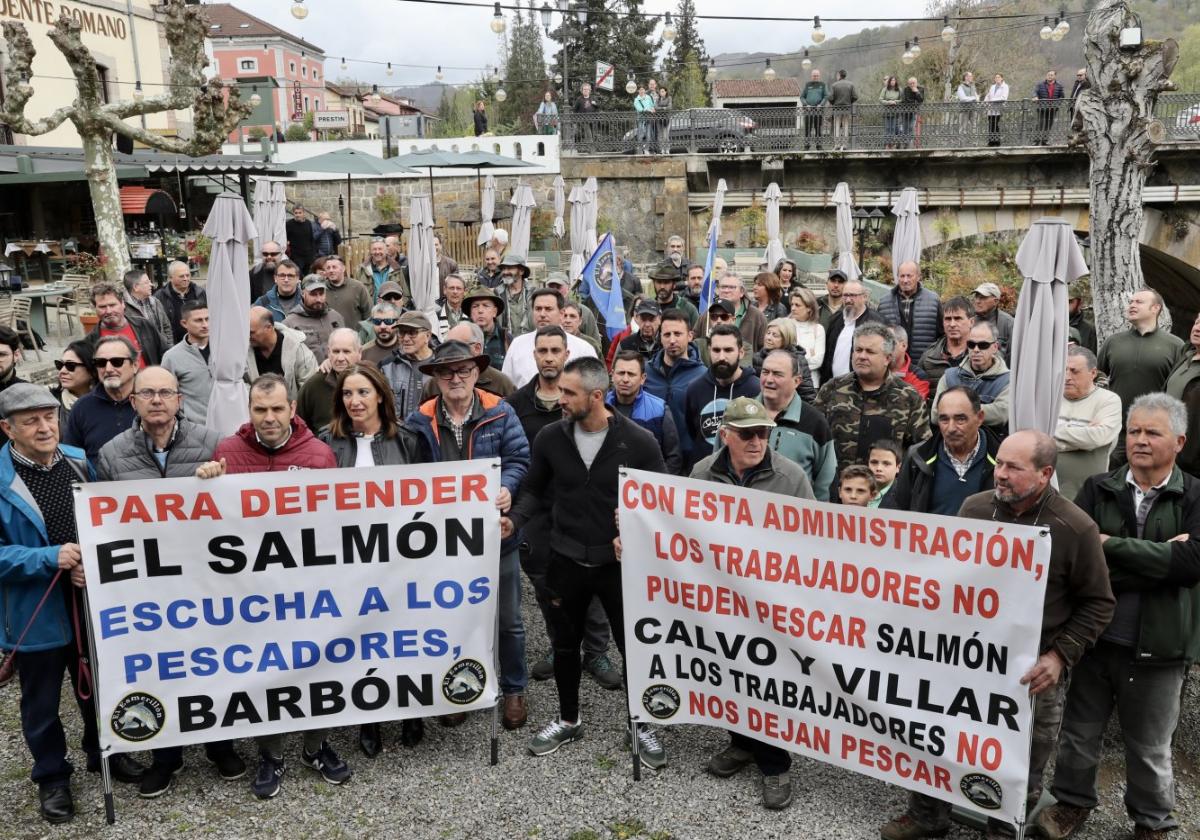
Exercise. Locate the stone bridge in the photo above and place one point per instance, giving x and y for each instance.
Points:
(963, 192)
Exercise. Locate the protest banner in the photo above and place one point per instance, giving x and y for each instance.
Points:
(888, 643)
(259, 603)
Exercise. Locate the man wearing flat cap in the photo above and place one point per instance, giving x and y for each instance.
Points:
(313, 317)
(38, 540)
(402, 368)
(461, 423)
(987, 308)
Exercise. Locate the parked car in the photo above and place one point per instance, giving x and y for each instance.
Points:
(705, 129)
(1187, 123)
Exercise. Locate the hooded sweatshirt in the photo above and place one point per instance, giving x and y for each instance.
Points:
(704, 407)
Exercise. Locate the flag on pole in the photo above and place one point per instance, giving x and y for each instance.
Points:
(709, 286)
(602, 269)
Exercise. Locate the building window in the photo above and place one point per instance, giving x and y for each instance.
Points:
(304, 70)
(541, 150)
(292, 68)
(102, 72)
(517, 150)
(249, 65)
(316, 75)
(318, 104)
(306, 103)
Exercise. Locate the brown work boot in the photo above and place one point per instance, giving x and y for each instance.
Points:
(1060, 820)
(1143, 833)
(515, 711)
(904, 827)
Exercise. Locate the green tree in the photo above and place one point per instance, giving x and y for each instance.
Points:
(635, 45)
(524, 73)
(611, 35)
(454, 112)
(687, 42)
(1187, 71)
(688, 89)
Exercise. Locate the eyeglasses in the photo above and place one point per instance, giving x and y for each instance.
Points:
(979, 345)
(118, 362)
(69, 367)
(384, 322)
(760, 432)
(148, 394)
(271, 253)
(449, 375)
(391, 297)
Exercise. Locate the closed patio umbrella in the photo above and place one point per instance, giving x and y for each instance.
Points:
(277, 232)
(845, 232)
(1050, 260)
(262, 211)
(579, 199)
(230, 227)
(906, 241)
(487, 211)
(422, 257)
(523, 204)
(593, 212)
(560, 206)
(774, 244)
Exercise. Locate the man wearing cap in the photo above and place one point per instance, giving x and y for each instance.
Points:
(402, 368)
(985, 373)
(520, 364)
(665, 276)
(277, 349)
(344, 295)
(745, 459)
(284, 296)
(644, 340)
(488, 274)
(749, 319)
(1079, 294)
(464, 422)
(726, 379)
(485, 307)
(38, 539)
(719, 312)
(314, 318)
(450, 312)
(490, 380)
(987, 308)
(831, 304)
(315, 402)
(912, 306)
(517, 316)
(378, 269)
(839, 335)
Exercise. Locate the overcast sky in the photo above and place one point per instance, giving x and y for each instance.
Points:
(456, 37)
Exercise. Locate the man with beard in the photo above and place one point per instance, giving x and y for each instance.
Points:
(285, 295)
(302, 239)
(831, 304)
(839, 335)
(115, 321)
(314, 318)
(262, 275)
(707, 397)
(985, 373)
(385, 320)
(345, 296)
(489, 273)
(106, 412)
(665, 276)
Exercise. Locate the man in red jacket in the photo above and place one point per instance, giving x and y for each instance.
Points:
(276, 439)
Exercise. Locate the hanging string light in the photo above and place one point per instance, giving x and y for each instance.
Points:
(496, 75)
(138, 93)
(344, 65)
(255, 99)
(1057, 33)
(806, 62)
(947, 29)
(907, 57)
(389, 68)
(818, 34)
(1062, 22)
(375, 97)
(712, 69)
(631, 85)
(439, 75)
(916, 47)
(299, 10)
(668, 28)
(501, 95)
(769, 72)
(497, 20)
(1046, 31)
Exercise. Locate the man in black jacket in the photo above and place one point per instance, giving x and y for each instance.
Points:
(575, 472)
(179, 290)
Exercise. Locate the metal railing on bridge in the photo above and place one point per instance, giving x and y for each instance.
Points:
(860, 127)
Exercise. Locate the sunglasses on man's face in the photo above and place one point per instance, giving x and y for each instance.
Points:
(384, 322)
(271, 253)
(979, 345)
(118, 362)
(760, 432)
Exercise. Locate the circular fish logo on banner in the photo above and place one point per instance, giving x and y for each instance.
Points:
(982, 790)
(464, 682)
(138, 717)
(661, 701)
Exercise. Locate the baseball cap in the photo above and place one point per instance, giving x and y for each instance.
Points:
(313, 281)
(414, 321)
(837, 274)
(746, 413)
(724, 305)
(988, 290)
(390, 288)
(648, 307)
(557, 278)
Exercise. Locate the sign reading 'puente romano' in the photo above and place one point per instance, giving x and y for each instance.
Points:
(92, 22)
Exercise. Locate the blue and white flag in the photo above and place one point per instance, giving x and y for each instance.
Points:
(709, 287)
(602, 270)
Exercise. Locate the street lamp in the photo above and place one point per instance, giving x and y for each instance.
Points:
(865, 223)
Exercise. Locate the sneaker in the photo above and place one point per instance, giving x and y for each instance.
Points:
(1060, 820)
(603, 672)
(553, 736)
(905, 827)
(229, 764)
(157, 780)
(543, 669)
(729, 761)
(267, 779)
(650, 749)
(326, 762)
(777, 792)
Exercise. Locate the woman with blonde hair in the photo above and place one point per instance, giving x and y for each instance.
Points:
(809, 333)
(780, 334)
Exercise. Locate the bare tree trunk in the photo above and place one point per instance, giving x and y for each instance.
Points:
(1114, 121)
(106, 203)
(951, 63)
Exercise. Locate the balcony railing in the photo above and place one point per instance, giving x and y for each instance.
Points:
(861, 127)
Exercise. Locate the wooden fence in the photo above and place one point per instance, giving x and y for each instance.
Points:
(458, 242)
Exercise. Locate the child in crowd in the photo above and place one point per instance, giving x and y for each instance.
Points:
(884, 463)
(857, 486)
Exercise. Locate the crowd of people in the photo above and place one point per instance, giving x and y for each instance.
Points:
(900, 403)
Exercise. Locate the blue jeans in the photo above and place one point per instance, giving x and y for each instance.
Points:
(40, 674)
(511, 632)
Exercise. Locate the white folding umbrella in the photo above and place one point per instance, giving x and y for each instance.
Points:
(560, 206)
(579, 199)
(845, 232)
(523, 204)
(230, 227)
(487, 209)
(714, 227)
(278, 229)
(593, 211)
(1050, 260)
(263, 195)
(906, 241)
(774, 243)
(422, 257)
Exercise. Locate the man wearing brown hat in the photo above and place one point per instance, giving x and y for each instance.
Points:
(463, 422)
(664, 276)
(402, 368)
(745, 459)
(517, 316)
(484, 307)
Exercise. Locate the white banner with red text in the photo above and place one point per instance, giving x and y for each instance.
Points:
(885, 642)
(260, 603)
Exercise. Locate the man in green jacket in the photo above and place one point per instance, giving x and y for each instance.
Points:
(1149, 519)
(813, 96)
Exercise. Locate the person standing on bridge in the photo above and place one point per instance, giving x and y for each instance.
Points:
(1045, 93)
(1078, 604)
(998, 92)
(814, 96)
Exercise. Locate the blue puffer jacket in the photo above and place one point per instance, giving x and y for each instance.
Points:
(28, 562)
(279, 310)
(670, 385)
(926, 318)
(497, 434)
(647, 412)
